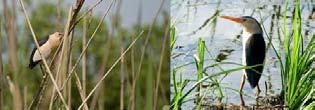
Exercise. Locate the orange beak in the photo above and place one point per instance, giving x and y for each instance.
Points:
(235, 19)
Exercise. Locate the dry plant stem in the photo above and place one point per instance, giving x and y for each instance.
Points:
(9, 17)
(14, 89)
(84, 57)
(84, 50)
(132, 100)
(66, 49)
(62, 69)
(74, 15)
(37, 98)
(58, 27)
(87, 45)
(102, 69)
(69, 84)
(145, 45)
(87, 13)
(82, 96)
(122, 61)
(43, 59)
(1, 70)
(122, 79)
(165, 43)
(42, 86)
(110, 69)
(10, 29)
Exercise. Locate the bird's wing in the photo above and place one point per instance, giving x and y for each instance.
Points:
(33, 63)
(255, 55)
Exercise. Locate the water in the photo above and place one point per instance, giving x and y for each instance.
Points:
(189, 15)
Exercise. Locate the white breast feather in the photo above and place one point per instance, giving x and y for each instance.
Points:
(246, 35)
(44, 50)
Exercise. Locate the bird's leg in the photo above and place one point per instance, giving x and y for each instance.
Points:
(241, 90)
(258, 91)
(257, 94)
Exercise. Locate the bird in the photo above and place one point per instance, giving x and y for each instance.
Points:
(47, 46)
(254, 50)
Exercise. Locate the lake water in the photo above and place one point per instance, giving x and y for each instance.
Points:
(189, 15)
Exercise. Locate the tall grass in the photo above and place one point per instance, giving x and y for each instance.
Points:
(297, 69)
(199, 60)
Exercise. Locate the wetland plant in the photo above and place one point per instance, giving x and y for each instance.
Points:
(297, 69)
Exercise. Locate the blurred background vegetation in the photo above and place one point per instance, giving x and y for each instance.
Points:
(20, 84)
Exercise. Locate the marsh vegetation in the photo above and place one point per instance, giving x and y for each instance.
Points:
(101, 64)
(206, 54)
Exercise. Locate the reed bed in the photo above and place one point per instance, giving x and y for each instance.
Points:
(94, 67)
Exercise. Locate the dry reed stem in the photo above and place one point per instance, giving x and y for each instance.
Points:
(160, 67)
(146, 43)
(132, 99)
(15, 93)
(64, 59)
(84, 57)
(87, 12)
(9, 16)
(87, 45)
(144, 47)
(43, 59)
(37, 98)
(78, 60)
(122, 79)
(1, 70)
(66, 48)
(82, 96)
(107, 46)
(75, 13)
(110, 69)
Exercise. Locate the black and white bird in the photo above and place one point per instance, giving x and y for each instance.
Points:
(47, 47)
(254, 48)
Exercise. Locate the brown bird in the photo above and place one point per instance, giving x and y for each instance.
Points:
(47, 47)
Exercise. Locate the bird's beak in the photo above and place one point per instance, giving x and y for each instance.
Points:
(235, 19)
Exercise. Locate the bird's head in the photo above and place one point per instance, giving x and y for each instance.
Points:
(55, 38)
(250, 24)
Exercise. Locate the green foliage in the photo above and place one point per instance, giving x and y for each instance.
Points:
(297, 71)
(44, 19)
(173, 38)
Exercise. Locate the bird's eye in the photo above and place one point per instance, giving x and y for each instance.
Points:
(244, 20)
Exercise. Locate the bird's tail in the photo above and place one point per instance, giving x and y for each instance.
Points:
(31, 66)
(253, 77)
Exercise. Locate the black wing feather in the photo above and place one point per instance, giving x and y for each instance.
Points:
(33, 64)
(255, 55)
